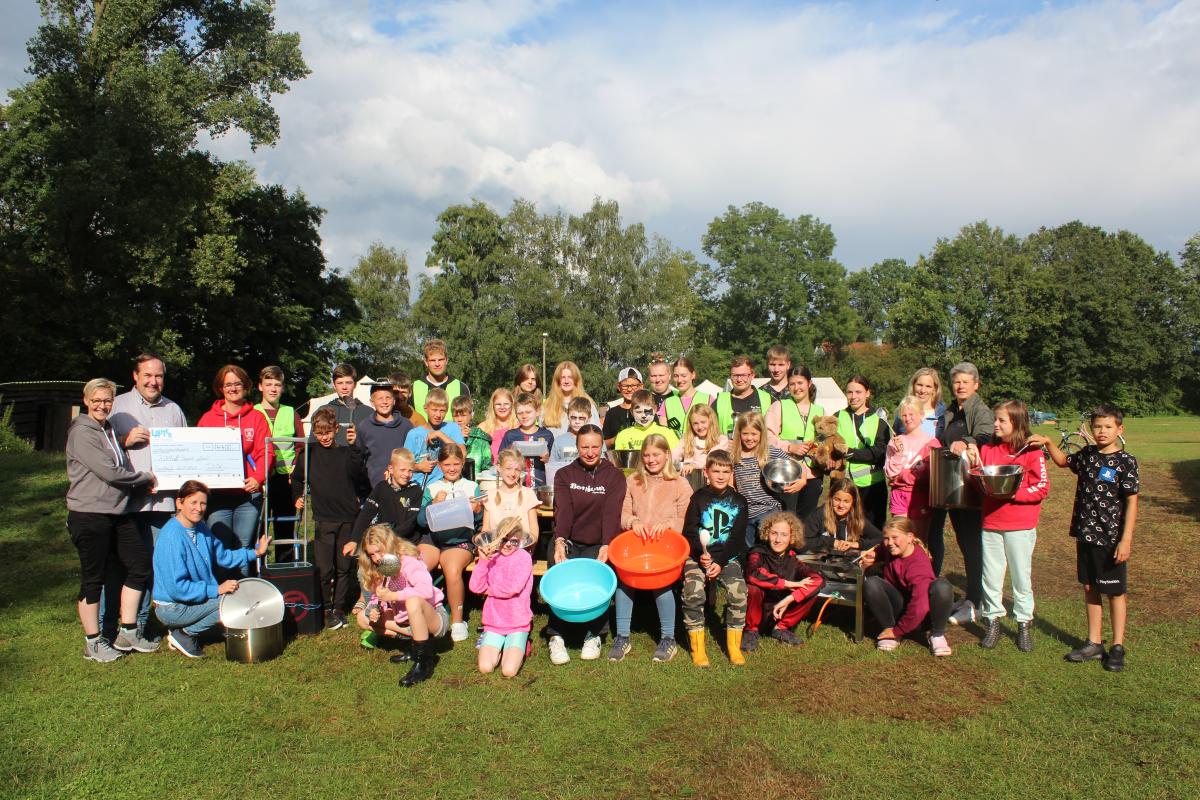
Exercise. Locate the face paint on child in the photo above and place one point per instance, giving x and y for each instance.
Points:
(642, 414)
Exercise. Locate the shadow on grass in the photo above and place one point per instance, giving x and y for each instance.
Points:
(1187, 502)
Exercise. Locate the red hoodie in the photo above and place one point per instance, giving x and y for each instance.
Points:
(1020, 512)
(255, 430)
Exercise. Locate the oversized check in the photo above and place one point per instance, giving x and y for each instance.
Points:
(211, 455)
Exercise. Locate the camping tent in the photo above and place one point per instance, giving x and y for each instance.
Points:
(829, 395)
(362, 392)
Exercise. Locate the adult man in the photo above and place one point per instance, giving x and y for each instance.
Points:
(134, 413)
(741, 397)
(588, 495)
(659, 375)
(618, 418)
(436, 362)
(350, 410)
(779, 364)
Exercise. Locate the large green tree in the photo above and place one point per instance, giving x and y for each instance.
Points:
(874, 291)
(381, 340)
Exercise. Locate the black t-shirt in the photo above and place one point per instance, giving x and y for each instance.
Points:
(776, 394)
(740, 405)
(616, 419)
(1105, 480)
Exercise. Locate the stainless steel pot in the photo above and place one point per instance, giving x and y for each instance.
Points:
(546, 495)
(252, 645)
(950, 485)
(626, 459)
(253, 620)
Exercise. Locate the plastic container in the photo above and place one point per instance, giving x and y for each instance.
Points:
(579, 590)
(449, 514)
(650, 564)
(534, 449)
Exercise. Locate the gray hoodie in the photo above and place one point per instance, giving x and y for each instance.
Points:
(99, 471)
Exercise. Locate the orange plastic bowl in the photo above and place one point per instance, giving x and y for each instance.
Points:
(648, 565)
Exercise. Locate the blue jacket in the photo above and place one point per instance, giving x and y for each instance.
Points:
(183, 572)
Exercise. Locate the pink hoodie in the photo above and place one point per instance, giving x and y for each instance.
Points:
(905, 469)
(413, 580)
(254, 430)
(1021, 511)
(507, 580)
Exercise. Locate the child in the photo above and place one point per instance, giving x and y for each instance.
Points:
(337, 478)
(645, 415)
(505, 575)
(396, 501)
(906, 588)
(381, 432)
(715, 527)
(402, 384)
(751, 452)
(285, 422)
(1010, 526)
(426, 442)
(529, 381)
(701, 438)
(867, 437)
(510, 499)
(618, 418)
(579, 411)
(1102, 523)
(656, 500)
(781, 589)
(840, 525)
(566, 383)
(499, 418)
(406, 604)
(779, 364)
(455, 543)
(528, 430)
(791, 427)
(349, 409)
(478, 443)
(436, 361)
(907, 467)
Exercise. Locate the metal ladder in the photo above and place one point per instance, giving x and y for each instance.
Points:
(302, 521)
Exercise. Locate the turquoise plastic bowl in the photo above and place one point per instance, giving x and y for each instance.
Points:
(579, 590)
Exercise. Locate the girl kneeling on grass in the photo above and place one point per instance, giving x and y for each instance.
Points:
(504, 573)
(781, 589)
(906, 592)
(1010, 525)
(406, 604)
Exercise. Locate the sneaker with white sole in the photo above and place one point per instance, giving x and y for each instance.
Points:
(939, 646)
(666, 650)
(459, 632)
(558, 651)
(964, 613)
(591, 648)
(130, 639)
(100, 650)
(620, 648)
(886, 645)
(180, 640)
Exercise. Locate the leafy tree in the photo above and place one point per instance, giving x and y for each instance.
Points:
(381, 340)
(873, 293)
(1189, 330)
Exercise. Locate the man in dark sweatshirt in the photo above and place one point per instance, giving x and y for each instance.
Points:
(382, 432)
(588, 494)
(337, 479)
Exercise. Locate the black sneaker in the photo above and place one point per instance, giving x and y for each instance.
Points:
(787, 637)
(749, 641)
(1025, 637)
(1115, 662)
(334, 620)
(180, 640)
(1088, 651)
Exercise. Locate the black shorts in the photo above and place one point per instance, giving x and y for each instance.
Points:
(1096, 567)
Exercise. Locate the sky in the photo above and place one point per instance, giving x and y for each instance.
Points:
(897, 123)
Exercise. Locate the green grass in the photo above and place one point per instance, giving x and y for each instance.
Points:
(834, 719)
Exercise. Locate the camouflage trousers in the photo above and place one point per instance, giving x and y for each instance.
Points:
(694, 590)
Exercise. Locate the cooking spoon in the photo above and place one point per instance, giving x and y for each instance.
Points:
(389, 565)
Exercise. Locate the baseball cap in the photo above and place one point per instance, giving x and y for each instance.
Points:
(629, 372)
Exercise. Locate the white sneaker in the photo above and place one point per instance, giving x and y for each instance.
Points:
(963, 614)
(591, 649)
(459, 632)
(558, 651)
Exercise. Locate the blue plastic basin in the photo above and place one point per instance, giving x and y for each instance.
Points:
(579, 590)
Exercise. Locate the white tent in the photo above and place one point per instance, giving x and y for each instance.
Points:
(362, 392)
(829, 395)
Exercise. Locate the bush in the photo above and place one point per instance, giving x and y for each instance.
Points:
(9, 441)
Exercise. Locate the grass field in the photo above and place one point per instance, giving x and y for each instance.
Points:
(833, 719)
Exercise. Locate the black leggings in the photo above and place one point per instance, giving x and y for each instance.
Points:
(805, 501)
(968, 532)
(101, 537)
(887, 604)
(874, 503)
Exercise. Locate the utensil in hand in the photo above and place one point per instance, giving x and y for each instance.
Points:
(1022, 450)
(389, 565)
(705, 539)
(882, 413)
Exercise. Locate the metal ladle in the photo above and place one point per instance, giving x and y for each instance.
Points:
(389, 565)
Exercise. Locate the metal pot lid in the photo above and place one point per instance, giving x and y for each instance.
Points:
(255, 604)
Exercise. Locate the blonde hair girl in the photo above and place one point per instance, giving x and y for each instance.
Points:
(554, 411)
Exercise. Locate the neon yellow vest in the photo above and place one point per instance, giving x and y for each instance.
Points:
(862, 474)
(724, 409)
(420, 390)
(795, 427)
(676, 416)
(284, 424)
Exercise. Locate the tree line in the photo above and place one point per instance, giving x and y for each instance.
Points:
(118, 233)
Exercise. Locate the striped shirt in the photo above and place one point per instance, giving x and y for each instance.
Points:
(748, 477)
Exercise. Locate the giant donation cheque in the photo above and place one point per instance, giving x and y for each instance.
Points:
(210, 455)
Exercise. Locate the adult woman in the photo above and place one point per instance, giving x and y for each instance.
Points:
(498, 419)
(567, 384)
(926, 386)
(790, 424)
(840, 525)
(675, 407)
(186, 592)
(233, 513)
(101, 479)
(867, 437)
(968, 421)
(656, 500)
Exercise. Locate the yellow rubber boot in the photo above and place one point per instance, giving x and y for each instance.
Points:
(699, 657)
(733, 643)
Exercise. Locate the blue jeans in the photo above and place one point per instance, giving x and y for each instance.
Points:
(149, 523)
(752, 527)
(664, 600)
(233, 518)
(195, 619)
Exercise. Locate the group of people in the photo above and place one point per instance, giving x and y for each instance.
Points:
(415, 482)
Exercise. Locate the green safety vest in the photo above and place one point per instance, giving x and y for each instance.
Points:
(724, 409)
(863, 475)
(792, 425)
(420, 390)
(284, 424)
(676, 416)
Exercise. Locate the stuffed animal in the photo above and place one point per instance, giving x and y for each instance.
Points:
(830, 453)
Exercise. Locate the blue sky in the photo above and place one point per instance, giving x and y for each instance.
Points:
(897, 123)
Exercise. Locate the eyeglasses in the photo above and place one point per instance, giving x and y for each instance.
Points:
(629, 386)
(97, 401)
(511, 543)
(234, 385)
(741, 374)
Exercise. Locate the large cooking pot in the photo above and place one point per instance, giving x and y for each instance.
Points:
(253, 620)
(950, 484)
(626, 459)
(545, 494)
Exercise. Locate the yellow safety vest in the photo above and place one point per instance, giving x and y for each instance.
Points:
(284, 424)
(862, 474)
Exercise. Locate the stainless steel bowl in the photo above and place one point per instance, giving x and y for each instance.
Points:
(546, 495)
(626, 459)
(1000, 480)
(779, 472)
